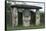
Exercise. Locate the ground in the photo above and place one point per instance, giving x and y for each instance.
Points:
(24, 27)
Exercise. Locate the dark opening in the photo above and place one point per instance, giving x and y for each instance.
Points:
(32, 21)
(20, 22)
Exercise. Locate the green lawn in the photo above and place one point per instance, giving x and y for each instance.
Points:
(24, 27)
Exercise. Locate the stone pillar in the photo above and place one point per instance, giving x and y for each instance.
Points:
(37, 17)
(26, 18)
(14, 17)
(26, 21)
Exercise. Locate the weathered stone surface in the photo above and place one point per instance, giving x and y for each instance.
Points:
(37, 18)
(26, 21)
(26, 12)
(26, 18)
(14, 17)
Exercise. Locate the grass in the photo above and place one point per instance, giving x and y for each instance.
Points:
(25, 27)
(9, 28)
